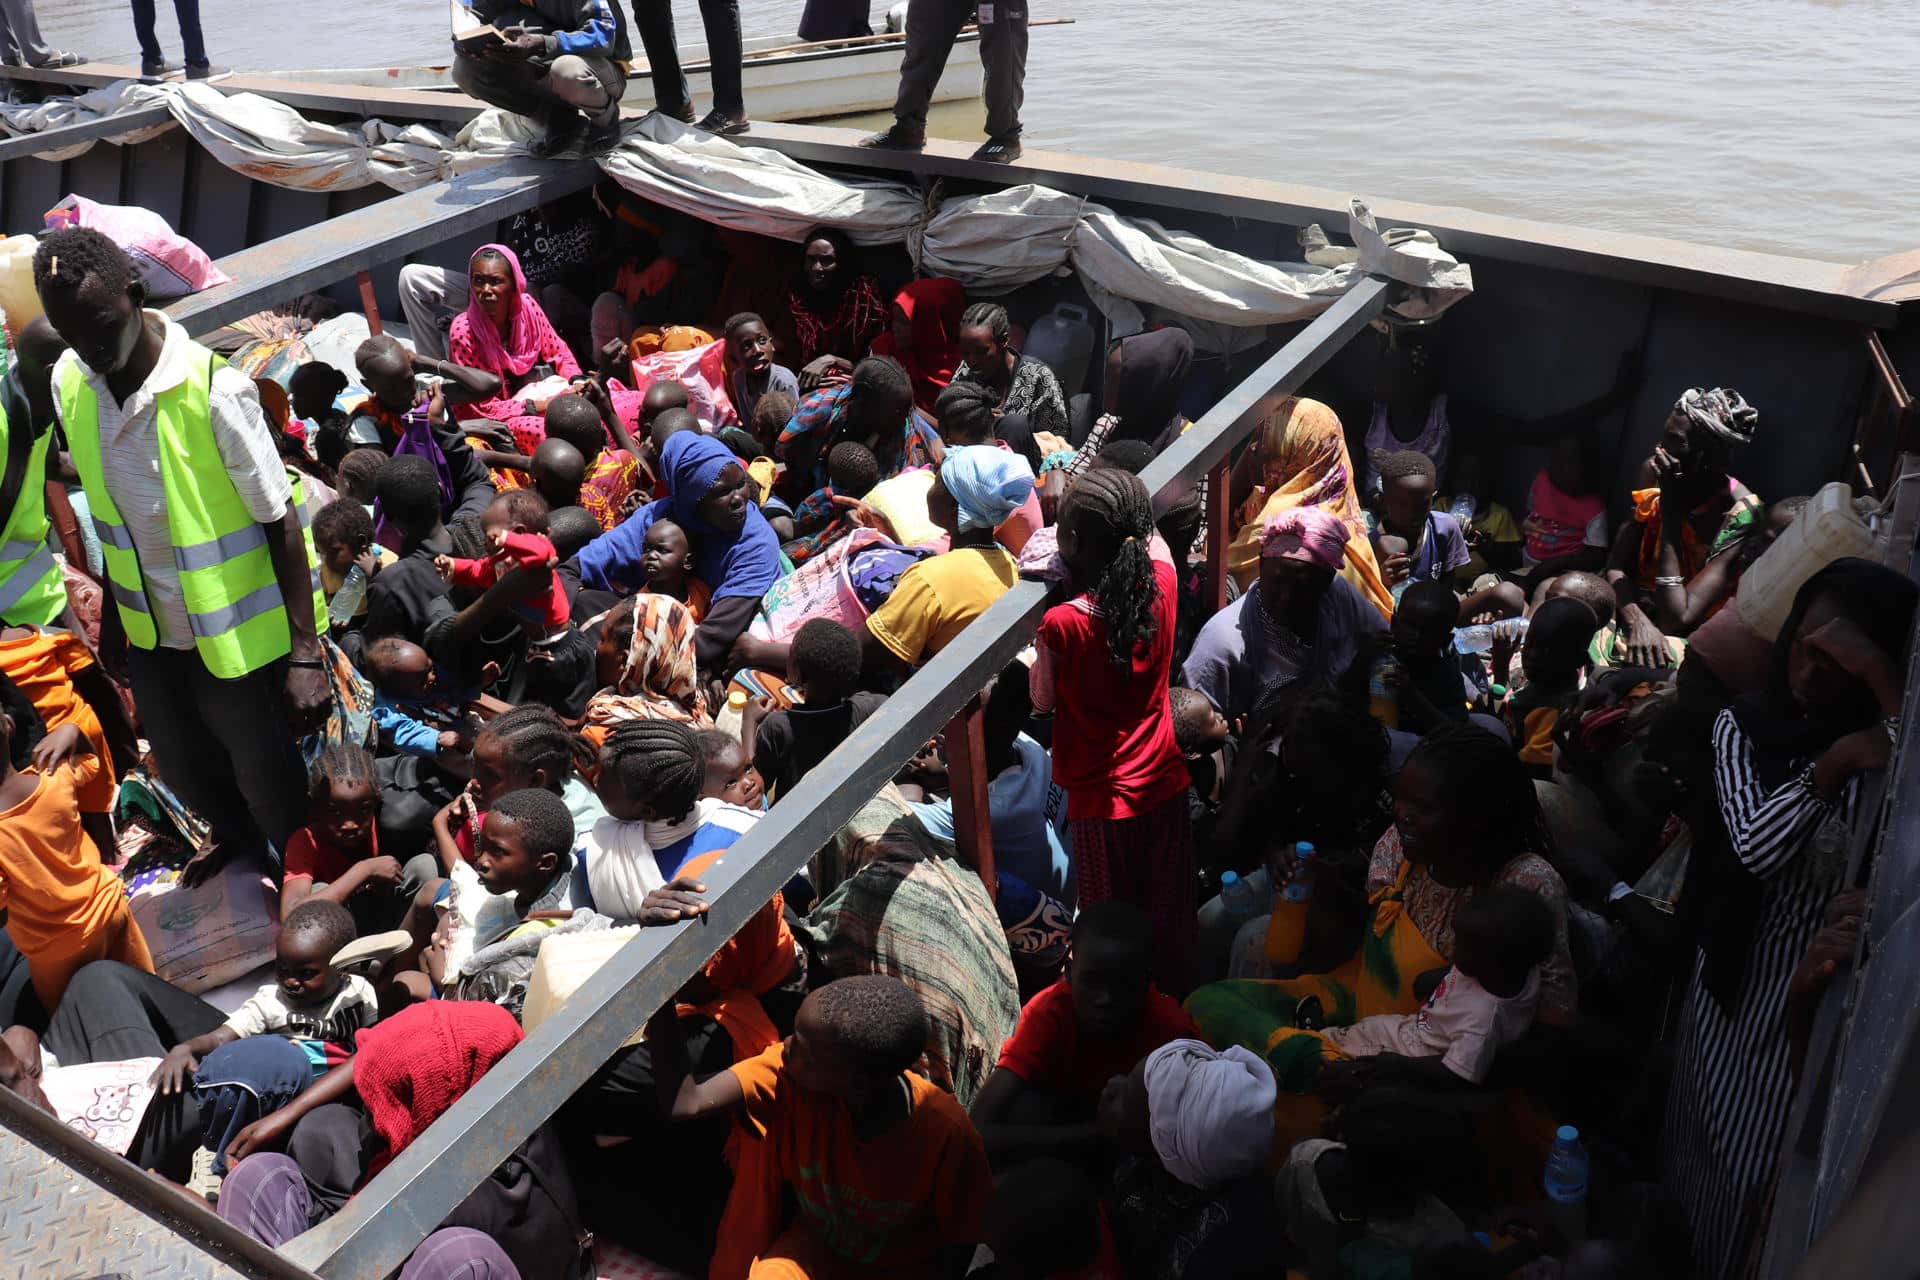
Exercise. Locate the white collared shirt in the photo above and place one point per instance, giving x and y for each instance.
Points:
(130, 464)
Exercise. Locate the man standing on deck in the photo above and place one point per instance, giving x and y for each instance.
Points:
(932, 27)
(22, 43)
(207, 552)
(562, 62)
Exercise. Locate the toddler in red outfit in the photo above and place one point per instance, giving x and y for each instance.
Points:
(516, 524)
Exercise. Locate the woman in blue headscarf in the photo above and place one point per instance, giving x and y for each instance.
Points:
(976, 488)
(735, 551)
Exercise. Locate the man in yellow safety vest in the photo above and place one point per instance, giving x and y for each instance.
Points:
(203, 532)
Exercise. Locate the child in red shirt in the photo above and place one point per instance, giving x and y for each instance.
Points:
(1093, 1024)
(516, 523)
(336, 856)
(1102, 669)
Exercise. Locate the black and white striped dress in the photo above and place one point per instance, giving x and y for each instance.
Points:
(1731, 1091)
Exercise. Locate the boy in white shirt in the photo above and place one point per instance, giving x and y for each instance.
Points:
(1486, 1000)
(288, 1033)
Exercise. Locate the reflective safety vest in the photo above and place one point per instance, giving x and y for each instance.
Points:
(32, 590)
(234, 609)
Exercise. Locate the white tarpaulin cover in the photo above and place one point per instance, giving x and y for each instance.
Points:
(996, 242)
(254, 135)
(992, 244)
(109, 100)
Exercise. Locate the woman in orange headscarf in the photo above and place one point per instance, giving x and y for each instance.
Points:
(1299, 459)
(924, 336)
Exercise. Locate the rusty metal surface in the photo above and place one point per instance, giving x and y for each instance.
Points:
(72, 1211)
(339, 248)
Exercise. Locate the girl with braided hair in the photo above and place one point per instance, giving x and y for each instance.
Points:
(651, 774)
(527, 747)
(1102, 671)
(643, 862)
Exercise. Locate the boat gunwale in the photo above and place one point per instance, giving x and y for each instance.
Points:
(1784, 281)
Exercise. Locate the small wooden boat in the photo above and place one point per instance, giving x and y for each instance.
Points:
(784, 79)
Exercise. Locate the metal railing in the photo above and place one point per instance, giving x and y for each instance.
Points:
(380, 1226)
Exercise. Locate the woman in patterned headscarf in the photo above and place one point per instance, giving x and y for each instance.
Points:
(1299, 459)
(1714, 511)
(647, 667)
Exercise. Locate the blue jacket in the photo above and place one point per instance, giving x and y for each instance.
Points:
(590, 28)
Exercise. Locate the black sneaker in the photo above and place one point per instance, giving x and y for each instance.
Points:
(602, 138)
(154, 72)
(207, 71)
(684, 115)
(561, 135)
(726, 126)
(896, 138)
(998, 151)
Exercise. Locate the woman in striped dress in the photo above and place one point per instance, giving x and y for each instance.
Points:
(1786, 772)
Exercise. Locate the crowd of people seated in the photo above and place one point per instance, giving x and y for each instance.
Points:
(1312, 918)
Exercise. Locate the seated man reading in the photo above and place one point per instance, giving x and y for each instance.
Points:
(557, 61)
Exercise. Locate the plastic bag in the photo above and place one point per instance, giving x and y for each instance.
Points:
(170, 265)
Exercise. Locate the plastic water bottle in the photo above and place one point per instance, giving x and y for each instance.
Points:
(346, 601)
(1479, 639)
(1299, 887)
(1240, 897)
(1383, 691)
(1566, 1183)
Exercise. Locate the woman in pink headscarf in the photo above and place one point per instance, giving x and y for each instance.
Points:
(504, 331)
(1301, 623)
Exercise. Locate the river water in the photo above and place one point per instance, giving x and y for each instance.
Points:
(1784, 125)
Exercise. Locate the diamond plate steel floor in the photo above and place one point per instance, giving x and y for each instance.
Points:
(57, 1225)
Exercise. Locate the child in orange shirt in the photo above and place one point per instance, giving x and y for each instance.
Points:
(53, 668)
(888, 1173)
(59, 905)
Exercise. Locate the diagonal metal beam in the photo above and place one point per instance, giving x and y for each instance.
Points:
(69, 1207)
(341, 247)
(1208, 442)
(377, 1229)
(27, 145)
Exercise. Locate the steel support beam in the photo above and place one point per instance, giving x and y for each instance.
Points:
(1207, 442)
(26, 146)
(339, 248)
(383, 1223)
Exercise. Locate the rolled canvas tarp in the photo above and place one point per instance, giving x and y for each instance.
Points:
(992, 244)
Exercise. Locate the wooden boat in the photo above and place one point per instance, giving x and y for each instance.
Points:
(1819, 346)
(784, 79)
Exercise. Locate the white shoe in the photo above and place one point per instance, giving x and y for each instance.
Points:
(204, 1183)
(366, 955)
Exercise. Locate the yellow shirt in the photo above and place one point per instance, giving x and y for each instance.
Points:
(937, 598)
(1497, 525)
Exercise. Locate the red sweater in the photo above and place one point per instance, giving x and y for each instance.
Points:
(521, 549)
(1113, 747)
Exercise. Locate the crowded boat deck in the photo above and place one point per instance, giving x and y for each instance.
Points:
(1046, 666)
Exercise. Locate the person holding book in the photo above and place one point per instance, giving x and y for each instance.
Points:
(559, 62)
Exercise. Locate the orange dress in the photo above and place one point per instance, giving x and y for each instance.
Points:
(875, 1208)
(43, 663)
(63, 909)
